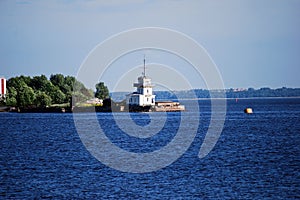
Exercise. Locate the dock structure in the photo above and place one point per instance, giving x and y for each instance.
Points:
(168, 106)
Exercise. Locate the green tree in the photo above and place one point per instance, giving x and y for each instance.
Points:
(26, 79)
(102, 91)
(57, 95)
(24, 90)
(40, 83)
(70, 81)
(20, 94)
(57, 80)
(25, 95)
(14, 82)
(42, 99)
(80, 93)
(11, 99)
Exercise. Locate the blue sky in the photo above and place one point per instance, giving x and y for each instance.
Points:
(254, 43)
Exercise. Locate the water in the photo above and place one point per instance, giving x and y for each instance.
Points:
(256, 157)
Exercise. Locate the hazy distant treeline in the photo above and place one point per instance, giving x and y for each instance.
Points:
(229, 93)
(264, 92)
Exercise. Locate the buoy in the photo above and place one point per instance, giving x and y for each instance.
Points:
(248, 110)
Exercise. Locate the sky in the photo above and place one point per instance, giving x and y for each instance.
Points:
(253, 43)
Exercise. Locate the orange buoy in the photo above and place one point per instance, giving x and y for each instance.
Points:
(248, 111)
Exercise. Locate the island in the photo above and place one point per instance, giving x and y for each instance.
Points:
(58, 94)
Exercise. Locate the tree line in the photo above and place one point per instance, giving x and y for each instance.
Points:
(264, 92)
(39, 91)
(230, 93)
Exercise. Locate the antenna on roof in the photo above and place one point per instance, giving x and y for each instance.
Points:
(144, 65)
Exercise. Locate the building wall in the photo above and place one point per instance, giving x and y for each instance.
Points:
(147, 91)
(133, 99)
(147, 100)
(141, 100)
(2, 87)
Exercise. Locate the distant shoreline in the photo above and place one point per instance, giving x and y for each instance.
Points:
(245, 98)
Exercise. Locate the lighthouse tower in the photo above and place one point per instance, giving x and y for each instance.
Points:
(142, 98)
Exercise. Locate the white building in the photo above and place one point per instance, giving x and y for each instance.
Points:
(143, 96)
(2, 88)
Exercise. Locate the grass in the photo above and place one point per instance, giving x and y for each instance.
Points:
(62, 105)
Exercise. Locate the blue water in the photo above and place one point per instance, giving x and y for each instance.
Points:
(256, 157)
